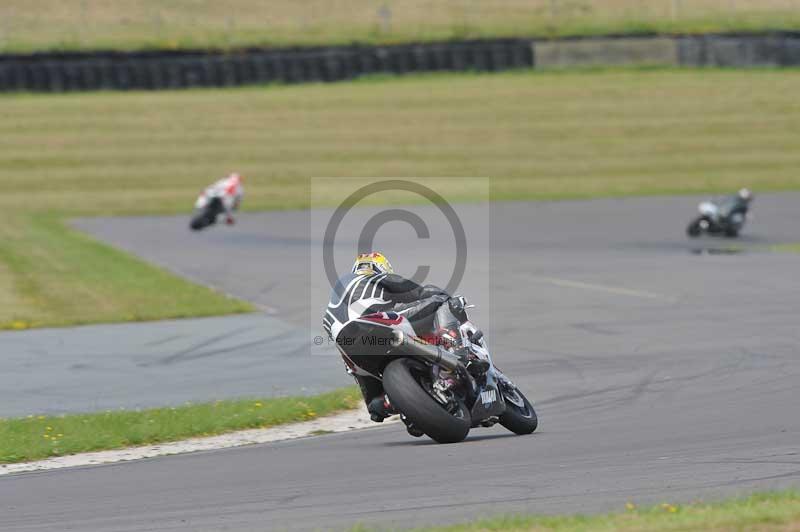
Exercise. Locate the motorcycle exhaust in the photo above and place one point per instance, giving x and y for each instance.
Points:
(431, 353)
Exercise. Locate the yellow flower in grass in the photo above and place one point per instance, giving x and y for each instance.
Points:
(19, 325)
(630, 506)
(259, 404)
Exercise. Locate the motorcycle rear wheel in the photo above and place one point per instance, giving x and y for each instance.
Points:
(519, 420)
(409, 397)
(199, 222)
(207, 216)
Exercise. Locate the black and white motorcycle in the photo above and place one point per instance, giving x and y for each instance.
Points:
(443, 384)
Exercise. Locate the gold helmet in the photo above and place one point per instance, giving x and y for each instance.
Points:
(372, 264)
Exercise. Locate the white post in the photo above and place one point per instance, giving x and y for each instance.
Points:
(84, 22)
(676, 9)
(553, 9)
(385, 16)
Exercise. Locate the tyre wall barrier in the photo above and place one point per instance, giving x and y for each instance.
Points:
(178, 70)
(173, 70)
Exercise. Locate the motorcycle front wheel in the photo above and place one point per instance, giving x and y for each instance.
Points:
(406, 394)
(519, 417)
(694, 228)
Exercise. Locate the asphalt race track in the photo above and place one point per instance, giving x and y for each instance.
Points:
(139, 365)
(662, 369)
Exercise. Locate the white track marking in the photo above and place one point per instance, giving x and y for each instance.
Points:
(345, 421)
(603, 288)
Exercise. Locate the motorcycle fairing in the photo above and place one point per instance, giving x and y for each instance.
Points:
(489, 399)
(201, 202)
(709, 209)
(364, 343)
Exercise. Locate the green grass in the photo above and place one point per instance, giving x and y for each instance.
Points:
(92, 24)
(38, 437)
(62, 277)
(537, 135)
(774, 511)
(790, 248)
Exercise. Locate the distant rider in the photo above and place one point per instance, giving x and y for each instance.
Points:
(230, 191)
(738, 203)
(372, 286)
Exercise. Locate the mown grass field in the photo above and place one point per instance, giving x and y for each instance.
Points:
(37, 437)
(537, 135)
(773, 512)
(91, 24)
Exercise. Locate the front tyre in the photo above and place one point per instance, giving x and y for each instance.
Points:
(426, 413)
(519, 417)
(695, 228)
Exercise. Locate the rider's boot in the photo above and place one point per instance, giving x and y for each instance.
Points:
(380, 408)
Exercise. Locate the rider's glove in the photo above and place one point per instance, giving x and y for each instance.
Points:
(458, 306)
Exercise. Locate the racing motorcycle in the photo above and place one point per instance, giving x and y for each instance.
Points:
(206, 211)
(442, 385)
(726, 219)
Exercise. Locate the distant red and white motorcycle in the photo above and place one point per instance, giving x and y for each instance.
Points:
(222, 198)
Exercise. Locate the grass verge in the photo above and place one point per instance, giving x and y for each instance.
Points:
(538, 135)
(774, 511)
(789, 248)
(38, 437)
(60, 277)
(99, 24)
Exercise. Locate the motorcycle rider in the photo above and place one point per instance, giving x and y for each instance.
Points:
(230, 191)
(372, 286)
(737, 203)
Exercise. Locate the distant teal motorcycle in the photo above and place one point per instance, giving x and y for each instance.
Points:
(724, 218)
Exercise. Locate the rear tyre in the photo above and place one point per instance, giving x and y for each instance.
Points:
(519, 418)
(203, 219)
(198, 222)
(428, 415)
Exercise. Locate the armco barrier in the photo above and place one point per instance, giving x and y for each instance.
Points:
(185, 69)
